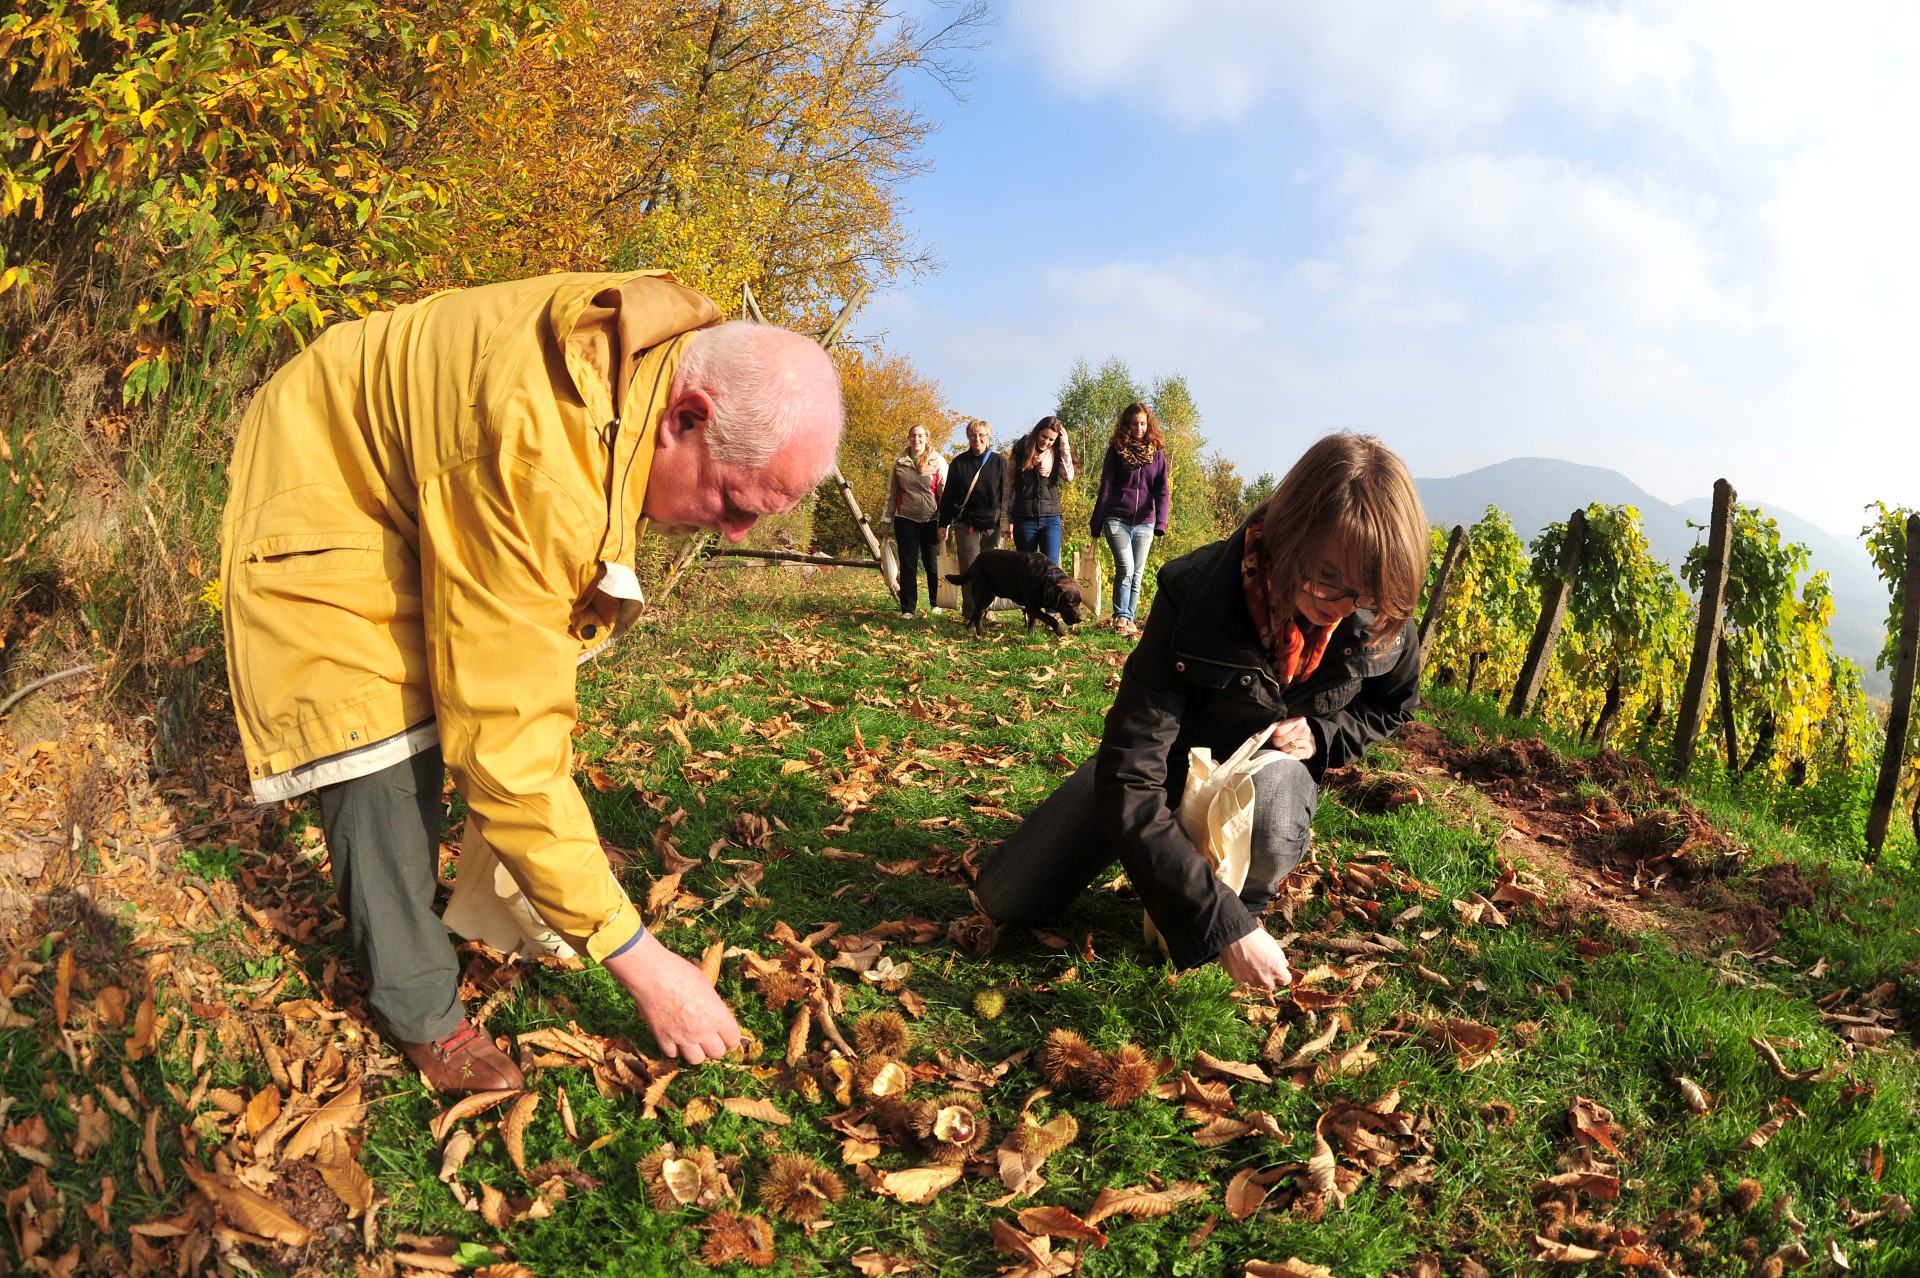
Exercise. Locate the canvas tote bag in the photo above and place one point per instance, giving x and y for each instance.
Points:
(1216, 811)
(487, 905)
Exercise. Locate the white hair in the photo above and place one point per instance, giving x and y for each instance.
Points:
(768, 385)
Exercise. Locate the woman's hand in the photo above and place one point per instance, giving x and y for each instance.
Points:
(1294, 737)
(1257, 959)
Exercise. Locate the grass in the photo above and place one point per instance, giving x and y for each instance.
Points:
(783, 687)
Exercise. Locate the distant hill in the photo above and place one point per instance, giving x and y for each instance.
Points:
(1536, 491)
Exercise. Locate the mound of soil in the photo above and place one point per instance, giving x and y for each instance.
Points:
(1625, 847)
(1679, 835)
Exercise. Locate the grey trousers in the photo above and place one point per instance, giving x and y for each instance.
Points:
(968, 542)
(383, 837)
(1060, 849)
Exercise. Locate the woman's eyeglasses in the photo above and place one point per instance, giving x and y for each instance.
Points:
(1327, 592)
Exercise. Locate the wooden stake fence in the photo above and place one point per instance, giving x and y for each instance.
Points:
(1442, 582)
(1706, 631)
(1900, 712)
(1553, 612)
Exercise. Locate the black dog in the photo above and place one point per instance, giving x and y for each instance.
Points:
(1031, 580)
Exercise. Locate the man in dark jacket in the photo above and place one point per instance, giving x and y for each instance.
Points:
(975, 501)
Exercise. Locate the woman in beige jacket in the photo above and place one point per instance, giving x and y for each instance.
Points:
(913, 499)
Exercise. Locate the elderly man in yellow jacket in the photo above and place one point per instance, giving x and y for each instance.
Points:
(433, 519)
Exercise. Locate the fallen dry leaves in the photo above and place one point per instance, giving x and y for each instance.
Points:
(1035, 1255)
(917, 1184)
(313, 1110)
(247, 1208)
(1291, 1267)
(1141, 1201)
(1058, 1222)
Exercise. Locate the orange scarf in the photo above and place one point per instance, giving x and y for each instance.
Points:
(1294, 652)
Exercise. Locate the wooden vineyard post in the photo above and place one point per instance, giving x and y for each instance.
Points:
(1442, 581)
(1706, 631)
(1900, 712)
(1723, 679)
(1553, 612)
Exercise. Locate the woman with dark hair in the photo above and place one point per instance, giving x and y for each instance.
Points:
(1042, 461)
(1294, 637)
(1131, 510)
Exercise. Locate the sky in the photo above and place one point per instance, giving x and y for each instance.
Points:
(1675, 238)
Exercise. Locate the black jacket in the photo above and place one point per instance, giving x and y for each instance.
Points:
(1201, 677)
(983, 509)
(1032, 494)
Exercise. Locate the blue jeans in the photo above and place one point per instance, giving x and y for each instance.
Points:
(1129, 544)
(1042, 534)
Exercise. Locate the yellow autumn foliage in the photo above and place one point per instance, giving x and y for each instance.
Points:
(251, 172)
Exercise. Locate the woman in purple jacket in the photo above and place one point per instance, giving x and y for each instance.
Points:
(1131, 510)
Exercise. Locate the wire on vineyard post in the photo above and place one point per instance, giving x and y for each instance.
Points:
(1901, 708)
(1553, 612)
(1706, 632)
(1442, 582)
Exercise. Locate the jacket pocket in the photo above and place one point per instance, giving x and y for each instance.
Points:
(356, 553)
(1333, 698)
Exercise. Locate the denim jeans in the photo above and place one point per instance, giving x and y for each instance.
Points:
(1042, 534)
(1060, 848)
(1129, 544)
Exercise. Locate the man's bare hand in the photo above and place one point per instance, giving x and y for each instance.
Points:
(1294, 737)
(1257, 959)
(686, 1016)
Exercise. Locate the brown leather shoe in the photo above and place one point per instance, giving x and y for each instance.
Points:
(464, 1061)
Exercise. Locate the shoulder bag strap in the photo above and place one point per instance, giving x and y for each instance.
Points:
(961, 509)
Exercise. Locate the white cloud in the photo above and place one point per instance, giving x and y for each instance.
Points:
(1419, 68)
(1005, 358)
(1182, 294)
(1683, 224)
(1384, 302)
(1608, 248)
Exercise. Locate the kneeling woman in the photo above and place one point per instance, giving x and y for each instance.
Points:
(1302, 619)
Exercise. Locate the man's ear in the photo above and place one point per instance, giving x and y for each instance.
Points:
(690, 410)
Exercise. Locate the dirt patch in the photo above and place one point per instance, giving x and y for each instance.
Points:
(1785, 885)
(304, 1194)
(1618, 844)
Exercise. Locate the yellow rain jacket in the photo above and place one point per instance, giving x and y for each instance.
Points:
(433, 519)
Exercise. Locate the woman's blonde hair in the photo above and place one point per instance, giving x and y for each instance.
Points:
(1350, 496)
(926, 461)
